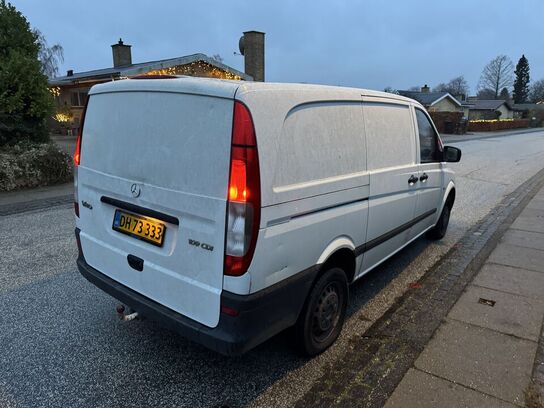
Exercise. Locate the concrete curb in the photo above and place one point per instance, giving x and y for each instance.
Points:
(34, 205)
(377, 360)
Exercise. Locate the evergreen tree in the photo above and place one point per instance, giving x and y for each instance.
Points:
(25, 100)
(504, 95)
(521, 84)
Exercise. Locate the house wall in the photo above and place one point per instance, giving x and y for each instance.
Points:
(505, 112)
(482, 114)
(68, 113)
(445, 105)
(491, 114)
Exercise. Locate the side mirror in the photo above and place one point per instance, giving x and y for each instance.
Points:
(452, 154)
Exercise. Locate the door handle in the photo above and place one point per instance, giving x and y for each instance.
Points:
(412, 180)
(423, 178)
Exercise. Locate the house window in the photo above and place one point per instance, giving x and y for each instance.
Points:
(78, 98)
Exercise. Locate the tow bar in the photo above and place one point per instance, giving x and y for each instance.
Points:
(126, 317)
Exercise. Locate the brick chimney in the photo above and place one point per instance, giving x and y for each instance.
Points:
(121, 54)
(252, 48)
(425, 89)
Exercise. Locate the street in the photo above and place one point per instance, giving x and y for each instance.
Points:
(63, 345)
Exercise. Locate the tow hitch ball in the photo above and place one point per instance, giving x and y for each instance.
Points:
(126, 315)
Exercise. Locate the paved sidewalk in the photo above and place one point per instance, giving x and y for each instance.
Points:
(486, 352)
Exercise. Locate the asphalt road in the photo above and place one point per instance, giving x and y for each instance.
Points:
(61, 343)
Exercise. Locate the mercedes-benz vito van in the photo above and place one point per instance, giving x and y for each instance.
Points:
(230, 211)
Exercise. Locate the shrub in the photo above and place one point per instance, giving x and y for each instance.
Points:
(26, 165)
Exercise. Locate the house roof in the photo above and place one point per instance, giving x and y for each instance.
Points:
(528, 106)
(487, 104)
(141, 68)
(429, 98)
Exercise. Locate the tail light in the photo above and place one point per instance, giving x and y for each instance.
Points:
(244, 194)
(77, 158)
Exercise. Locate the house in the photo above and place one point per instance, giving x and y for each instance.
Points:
(71, 90)
(434, 101)
(488, 109)
(445, 110)
(532, 111)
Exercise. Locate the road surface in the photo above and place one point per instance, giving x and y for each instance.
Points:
(61, 343)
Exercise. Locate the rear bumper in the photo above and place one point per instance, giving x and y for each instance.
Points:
(260, 316)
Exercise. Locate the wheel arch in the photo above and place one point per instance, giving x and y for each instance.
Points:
(340, 252)
(448, 197)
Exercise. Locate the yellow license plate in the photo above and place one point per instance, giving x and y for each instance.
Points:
(137, 226)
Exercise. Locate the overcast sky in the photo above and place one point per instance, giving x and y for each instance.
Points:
(369, 44)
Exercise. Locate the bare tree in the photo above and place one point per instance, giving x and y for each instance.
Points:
(217, 57)
(497, 74)
(50, 57)
(415, 88)
(486, 94)
(456, 86)
(441, 87)
(536, 93)
(391, 90)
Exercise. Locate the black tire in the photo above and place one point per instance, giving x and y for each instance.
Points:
(439, 230)
(322, 317)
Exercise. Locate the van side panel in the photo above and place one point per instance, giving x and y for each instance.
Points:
(310, 142)
(320, 143)
(391, 162)
(176, 148)
(317, 190)
(296, 244)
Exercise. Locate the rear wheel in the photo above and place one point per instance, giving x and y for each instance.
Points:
(322, 317)
(439, 230)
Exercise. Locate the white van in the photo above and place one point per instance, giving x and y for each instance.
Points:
(231, 211)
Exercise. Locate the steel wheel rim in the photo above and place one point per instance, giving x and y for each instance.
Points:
(326, 314)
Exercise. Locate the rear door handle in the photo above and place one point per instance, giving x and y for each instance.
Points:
(423, 178)
(412, 180)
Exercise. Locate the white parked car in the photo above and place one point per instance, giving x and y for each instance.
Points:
(231, 211)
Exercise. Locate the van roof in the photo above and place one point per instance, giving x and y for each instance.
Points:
(228, 88)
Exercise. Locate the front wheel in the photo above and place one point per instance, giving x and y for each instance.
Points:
(322, 317)
(439, 230)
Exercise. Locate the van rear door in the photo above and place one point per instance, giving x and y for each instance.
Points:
(161, 154)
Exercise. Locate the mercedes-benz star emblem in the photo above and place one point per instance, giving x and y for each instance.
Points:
(135, 190)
